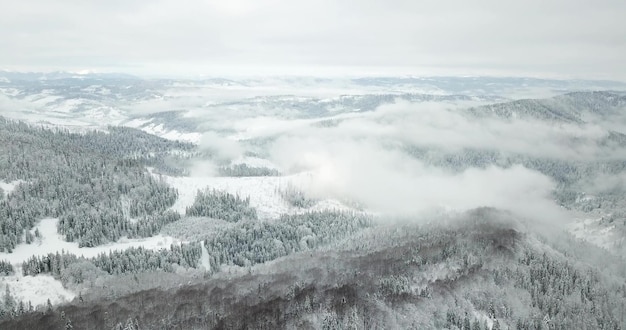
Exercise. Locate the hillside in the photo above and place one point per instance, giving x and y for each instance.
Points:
(481, 270)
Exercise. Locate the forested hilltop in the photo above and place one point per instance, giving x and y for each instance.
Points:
(93, 182)
(478, 271)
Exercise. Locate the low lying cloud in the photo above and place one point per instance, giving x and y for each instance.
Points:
(451, 129)
(161, 104)
(202, 168)
(391, 182)
(604, 183)
(359, 159)
(224, 149)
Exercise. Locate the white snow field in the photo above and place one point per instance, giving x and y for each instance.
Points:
(160, 131)
(52, 242)
(590, 230)
(7, 188)
(264, 192)
(36, 289)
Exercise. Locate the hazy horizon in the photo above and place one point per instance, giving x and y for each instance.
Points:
(560, 39)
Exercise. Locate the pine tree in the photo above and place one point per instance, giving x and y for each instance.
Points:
(9, 301)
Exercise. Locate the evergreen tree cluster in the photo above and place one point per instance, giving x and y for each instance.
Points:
(257, 242)
(559, 293)
(243, 170)
(132, 260)
(468, 322)
(561, 296)
(131, 324)
(83, 179)
(6, 268)
(52, 263)
(221, 205)
(567, 297)
(135, 260)
(296, 197)
(148, 226)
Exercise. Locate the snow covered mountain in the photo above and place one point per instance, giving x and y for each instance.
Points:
(311, 202)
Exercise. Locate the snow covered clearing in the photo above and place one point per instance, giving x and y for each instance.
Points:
(136, 123)
(261, 190)
(159, 130)
(255, 162)
(36, 289)
(43, 99)
(69, 105)
(264, 192)
(52, 242)
(7, 188)
(204, 259)
(590, 230)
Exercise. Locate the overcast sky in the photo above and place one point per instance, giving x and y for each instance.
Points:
(556, 38)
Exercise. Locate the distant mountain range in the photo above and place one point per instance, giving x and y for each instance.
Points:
(15, 76)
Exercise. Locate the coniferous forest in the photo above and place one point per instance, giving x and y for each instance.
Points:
(94, 183)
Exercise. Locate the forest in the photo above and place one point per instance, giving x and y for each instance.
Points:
(474, 272)
(94, 183)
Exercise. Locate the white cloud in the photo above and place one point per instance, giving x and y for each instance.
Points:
(360, 159)
(602, 183)
(223, 148)
(448, 128)
(389, 181)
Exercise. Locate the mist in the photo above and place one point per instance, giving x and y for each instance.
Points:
(391, 182)
(221, 148)
(362, 160)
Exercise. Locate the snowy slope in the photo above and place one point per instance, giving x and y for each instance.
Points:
(37, 289)
(52, 242)
(591, 231)
(161, 131)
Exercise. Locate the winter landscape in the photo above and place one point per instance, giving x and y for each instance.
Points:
(384, 207)
(489, 195)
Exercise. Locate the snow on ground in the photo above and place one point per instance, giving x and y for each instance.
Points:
(261, 190)
(159, 130)
(330, 204)
(136, 123)
(590, 230)
(68, 105)
(255, 162)
(9, 187)
(264, 192)
(204, 259)
(36, 289)
(44, 99)
(52, 242)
